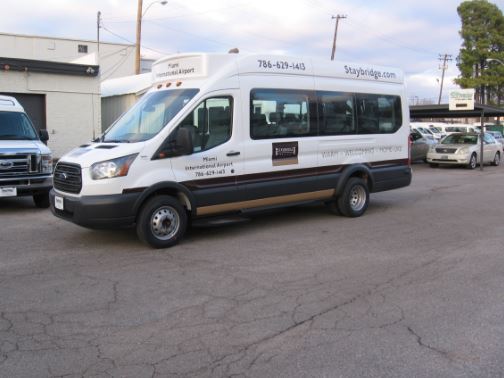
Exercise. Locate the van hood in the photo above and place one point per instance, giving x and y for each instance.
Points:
(20, 145)
(88, 154)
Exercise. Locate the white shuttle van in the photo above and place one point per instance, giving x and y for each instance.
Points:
(226, 133)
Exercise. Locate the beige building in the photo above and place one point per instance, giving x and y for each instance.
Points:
(114, 59)
(58, 83)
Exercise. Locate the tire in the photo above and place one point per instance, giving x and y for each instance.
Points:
(497, 159)
(433, 165)
(473, 162)
(161, 222)
(354, 199)
(41, 200)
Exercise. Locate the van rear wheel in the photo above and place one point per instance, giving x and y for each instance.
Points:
(162, 222)
(354, 199)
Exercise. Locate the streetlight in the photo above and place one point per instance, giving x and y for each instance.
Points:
(140, 15)
(488, 60)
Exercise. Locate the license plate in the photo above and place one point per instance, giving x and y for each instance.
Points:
(444, 157)
(58, 202)
(7, 191)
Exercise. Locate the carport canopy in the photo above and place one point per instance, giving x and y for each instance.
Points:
(442, 111)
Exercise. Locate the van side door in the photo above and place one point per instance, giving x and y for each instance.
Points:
(281, 154)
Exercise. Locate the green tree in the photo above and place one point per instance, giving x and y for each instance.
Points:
(483, 38)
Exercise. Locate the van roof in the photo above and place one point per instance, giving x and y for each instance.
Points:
(10, 104)
(203, 65)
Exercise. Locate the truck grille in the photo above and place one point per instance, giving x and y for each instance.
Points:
(13, 165)
(67, 178)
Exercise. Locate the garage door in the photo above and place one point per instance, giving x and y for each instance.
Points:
(34, 105)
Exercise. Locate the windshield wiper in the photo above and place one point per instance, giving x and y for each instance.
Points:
(116, 141)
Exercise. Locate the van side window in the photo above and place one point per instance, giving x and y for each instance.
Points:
(281, 114)
(210, 123)
(378, 114)
(336, 113)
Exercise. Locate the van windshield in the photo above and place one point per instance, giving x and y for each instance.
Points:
(16, 126)
(148, 116)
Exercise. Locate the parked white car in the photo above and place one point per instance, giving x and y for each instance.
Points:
(426, 133)
(464, 149)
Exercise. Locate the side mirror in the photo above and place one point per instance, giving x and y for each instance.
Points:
(44, 135)
(179, 144)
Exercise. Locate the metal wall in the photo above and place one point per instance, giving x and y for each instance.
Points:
(112, 107)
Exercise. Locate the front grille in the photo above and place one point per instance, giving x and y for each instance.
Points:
(14, 165)
(441, 150)
(67, 177)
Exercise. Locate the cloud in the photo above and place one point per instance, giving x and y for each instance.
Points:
(407, 34)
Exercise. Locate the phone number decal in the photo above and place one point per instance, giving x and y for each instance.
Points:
(281, 65)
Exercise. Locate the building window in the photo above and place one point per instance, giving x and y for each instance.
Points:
(83, 49)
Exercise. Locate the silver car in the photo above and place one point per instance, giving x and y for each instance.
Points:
(419, 146)
(464, 149)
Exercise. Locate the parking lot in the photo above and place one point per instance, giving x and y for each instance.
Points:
(415, 288)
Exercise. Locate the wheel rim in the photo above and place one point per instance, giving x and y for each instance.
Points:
(497, 159)
(165, 223)
(473, 161)
(358, 198)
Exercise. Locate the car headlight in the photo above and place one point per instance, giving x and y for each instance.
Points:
(112, 168)
(432, 148)
(463, 151)
(47, 165)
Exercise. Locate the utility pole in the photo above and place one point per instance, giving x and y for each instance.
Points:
(98, 26)
(338, 17)
(444, 58)
(138, 36)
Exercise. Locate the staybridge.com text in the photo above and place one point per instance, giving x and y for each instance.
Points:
(361, 72)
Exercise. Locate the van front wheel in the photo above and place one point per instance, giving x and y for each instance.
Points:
(162, 222)
(354, 199)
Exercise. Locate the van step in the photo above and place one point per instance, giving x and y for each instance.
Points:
(220, 221)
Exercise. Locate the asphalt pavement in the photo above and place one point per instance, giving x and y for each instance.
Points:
(414, 288)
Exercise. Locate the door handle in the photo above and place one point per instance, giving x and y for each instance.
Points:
(233, 153)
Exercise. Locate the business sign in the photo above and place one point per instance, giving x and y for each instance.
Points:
(180, 67)
(461, 99)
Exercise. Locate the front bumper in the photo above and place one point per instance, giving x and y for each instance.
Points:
(29, 185)
(448, 159)
(110, 211)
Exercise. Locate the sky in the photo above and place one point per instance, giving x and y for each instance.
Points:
(407, 34)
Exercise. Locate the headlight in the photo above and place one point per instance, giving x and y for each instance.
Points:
(46, 166)
(463, 151)
(432, 148)
(112, 168)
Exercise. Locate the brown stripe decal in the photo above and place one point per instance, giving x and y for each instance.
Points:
(271, 201)
(282, 175)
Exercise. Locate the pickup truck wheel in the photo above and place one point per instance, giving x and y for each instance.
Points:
(354, 199)
(162, 222)
(41, 200)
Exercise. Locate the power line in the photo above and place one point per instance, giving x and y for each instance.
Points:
(131, 42)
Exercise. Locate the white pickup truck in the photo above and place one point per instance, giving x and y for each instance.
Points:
(25, 161)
